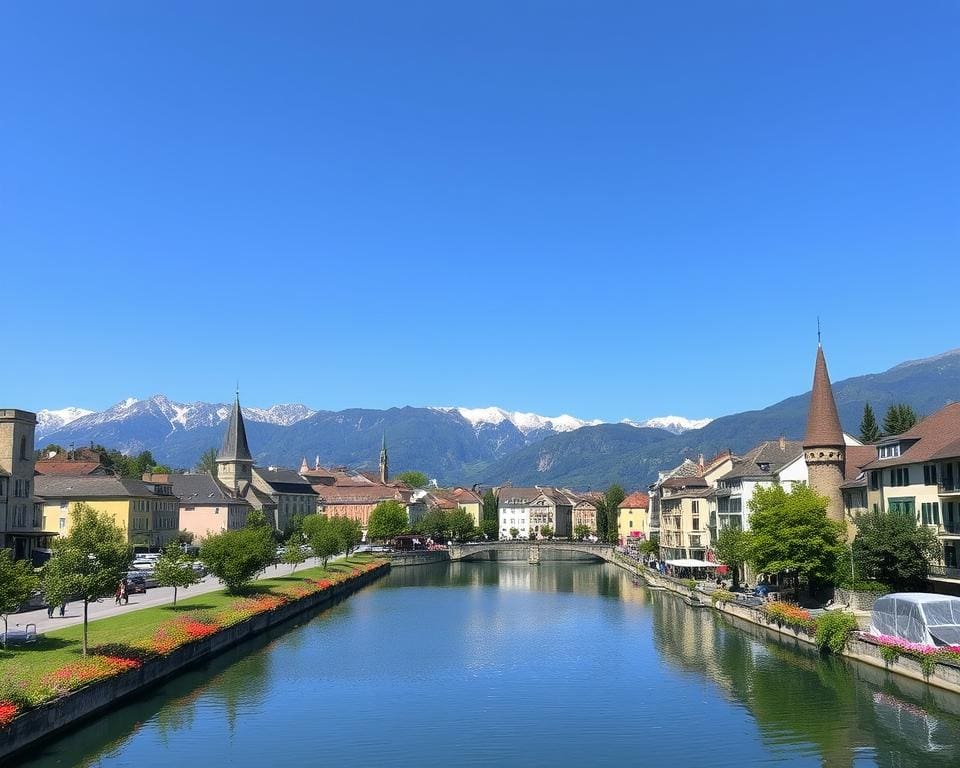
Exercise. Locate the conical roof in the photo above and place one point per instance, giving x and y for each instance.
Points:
(823, 423)
(235, 446)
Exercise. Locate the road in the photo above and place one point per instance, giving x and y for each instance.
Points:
(154, 596)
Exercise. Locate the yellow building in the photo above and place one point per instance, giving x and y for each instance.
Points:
(471, 503)
(685, 510)
(148, 513)
(633, 517)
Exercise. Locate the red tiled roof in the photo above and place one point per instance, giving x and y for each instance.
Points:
(857, 456)
(636, 500)
(67, 468)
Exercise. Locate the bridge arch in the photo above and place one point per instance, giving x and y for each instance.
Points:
(531, 551)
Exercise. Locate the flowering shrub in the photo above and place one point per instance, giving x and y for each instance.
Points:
(89, 670)
(790, 615)
(178, 632)
(892, 648)
(8, 711)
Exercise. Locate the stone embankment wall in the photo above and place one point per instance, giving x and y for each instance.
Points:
(944, 676)
(40, 723)
(857, 601)
(402, 559)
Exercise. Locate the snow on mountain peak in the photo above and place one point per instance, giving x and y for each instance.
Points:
(675, 424)
(525, 422)
(49, 420)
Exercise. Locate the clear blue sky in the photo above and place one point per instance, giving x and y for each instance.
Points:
(609, 209)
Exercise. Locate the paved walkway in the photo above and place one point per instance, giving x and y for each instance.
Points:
(153, 596)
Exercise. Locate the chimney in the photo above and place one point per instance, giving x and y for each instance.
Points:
(700, 461)
(783, 443)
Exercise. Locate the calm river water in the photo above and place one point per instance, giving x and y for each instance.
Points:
(563, 664)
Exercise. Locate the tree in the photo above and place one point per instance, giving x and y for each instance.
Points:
(891, 548)
(791, 532)
(17, 583)
(651, 546)
(349, 532)
(546, 531)
(581, 531)
(460, 524)
(294, 549)
(175, 569)
(207, 462)
(732, 548)
(435, 523)
(185, 537)
(89, 562)
(898, 419)
(514, 532)
(869, 431)
(491, 509)
(161, 469)
(413, 479)
(489, 528)
(611, 503)
(235, 557)
(387, 520)
(601, 505)
(323, 536)
(257, 518)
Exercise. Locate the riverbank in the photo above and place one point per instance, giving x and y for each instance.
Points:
(860, 648)
(34, 708)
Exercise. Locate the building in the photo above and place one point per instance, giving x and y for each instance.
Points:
(81, 462)
(584, 510)
(530, 509)
(206, 507)
(633, 517)
(355, 495)
(471, 503)
(918, 473)
(823, 445)
(21, 519)
(148, 513)
(687, 468)
(685, 509)
(291, 495)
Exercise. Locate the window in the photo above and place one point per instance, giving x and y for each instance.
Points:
(875, 480)
(900, 476)
(888, 451)
(696, 507)
(930, 513)
(696, 523)
(904, 506)
(929, 474)
(63, 523)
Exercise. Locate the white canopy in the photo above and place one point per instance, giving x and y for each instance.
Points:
(691, 563)
(918, 617)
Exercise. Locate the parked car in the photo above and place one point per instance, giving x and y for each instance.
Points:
(136, 583)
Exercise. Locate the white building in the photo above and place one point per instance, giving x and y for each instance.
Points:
(530, 509)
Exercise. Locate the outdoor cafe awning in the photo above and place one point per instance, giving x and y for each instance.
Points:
(691, 563)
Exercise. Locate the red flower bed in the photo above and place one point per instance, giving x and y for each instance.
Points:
(180, 631)
(8, 711)
(79, 673)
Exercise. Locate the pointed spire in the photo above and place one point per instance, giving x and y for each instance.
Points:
(304, 467)
(316, 464)
(235, 446)
(823, 423)
(384, 465)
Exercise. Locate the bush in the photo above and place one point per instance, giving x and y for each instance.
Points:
(692, 583)
(787, 614)
(722, 596)
(832, 630)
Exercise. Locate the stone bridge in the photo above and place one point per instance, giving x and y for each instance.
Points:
(531, 551)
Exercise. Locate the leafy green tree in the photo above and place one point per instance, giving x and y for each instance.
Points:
(869, 431)
(175, 569)
(514, 532)
(489, 528)
(207, 462)
(732, 548)
(460, 524)
(491, 511)
(650, 546)
(321, 531)
(161, 469)
(89, 562)
(602, 517)
(581, 531)
(17, 583)
(898, 419)
(891, 548)
(349, 532)
(611, 503)
(413, 479)
(295, 550)
(235, 557)
(435, 523)
(546, 531)
(387, 520)
(257, 518)
(791, 532)
(185, 537)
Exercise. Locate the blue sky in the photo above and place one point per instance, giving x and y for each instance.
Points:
(609, 209)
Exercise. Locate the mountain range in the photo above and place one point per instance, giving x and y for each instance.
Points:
(486, 445)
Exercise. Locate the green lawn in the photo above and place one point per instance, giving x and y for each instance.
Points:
(61, 646)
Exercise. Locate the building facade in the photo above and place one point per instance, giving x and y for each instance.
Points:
(633, 517)
(206, 508)
(21, 519)
(530, 509)
(685, 510)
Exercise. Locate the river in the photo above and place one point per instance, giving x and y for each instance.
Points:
(561, 664)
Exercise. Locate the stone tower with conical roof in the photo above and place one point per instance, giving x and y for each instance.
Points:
(234, 462)
(384, 465)
(823, 446)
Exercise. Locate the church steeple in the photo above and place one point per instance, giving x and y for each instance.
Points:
(824, 445)
(384, 464)
(234, 462)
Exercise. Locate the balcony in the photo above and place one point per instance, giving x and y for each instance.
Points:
(943, 572)
(950, 527)
(949, 487)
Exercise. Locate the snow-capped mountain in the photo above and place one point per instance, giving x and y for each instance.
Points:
(51, 420)
(675, 424)
(525, 422)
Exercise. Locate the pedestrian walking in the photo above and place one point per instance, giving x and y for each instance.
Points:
(50, 610)
(63, 608)
(118, 594)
